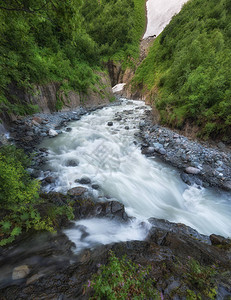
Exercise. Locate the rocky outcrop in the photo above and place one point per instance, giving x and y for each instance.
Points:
(50, 270)
(51, 97)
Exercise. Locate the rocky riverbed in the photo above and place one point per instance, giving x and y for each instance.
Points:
(200, 164)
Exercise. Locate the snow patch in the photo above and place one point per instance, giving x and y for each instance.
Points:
(160, 13)
(118, 87)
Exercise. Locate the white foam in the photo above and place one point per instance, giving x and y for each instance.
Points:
(92, 232)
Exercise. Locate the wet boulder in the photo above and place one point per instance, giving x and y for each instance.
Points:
(52, 133)
(72, 163)
(192, 170)
(77, 191)
(84, 180)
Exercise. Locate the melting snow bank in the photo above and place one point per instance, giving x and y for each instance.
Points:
(118, 87)
(92, 232)
(160, 13)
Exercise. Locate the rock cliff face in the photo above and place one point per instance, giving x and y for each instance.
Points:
(120, 75)
(50, 97)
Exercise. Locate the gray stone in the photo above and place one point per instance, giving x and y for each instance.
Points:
(20, 272)
(221, 146)
(77, 191)
(50, 179)
(192, 170)
(126, 127)
(219, 240)
(110, 123)
(162, 151)
(33, 278)
(116, 206)
(142, 124)
(52, 133)
(227, 185)
(157, 146)
(72, 163)
(95, 186)
(84, 180)
(150, 150)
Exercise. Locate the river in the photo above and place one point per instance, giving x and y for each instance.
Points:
(111, 157)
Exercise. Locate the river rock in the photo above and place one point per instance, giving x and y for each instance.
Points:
(84, 180)
(37, 119)
(221, 146)
(35, 123)
(110, 123)
(72, 163)
(150, 150)
(77, 191)
(219, 240)
(95, 186)
(49, 179)
(52, 133)
(157, 146)
(68, 129)
(20, 272)
(126, 127)
(192, 170)
(227, 185)
(33, 278)
(162, 151)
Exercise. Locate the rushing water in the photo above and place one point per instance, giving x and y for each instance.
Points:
(111, 157)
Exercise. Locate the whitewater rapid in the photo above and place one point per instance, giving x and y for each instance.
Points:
(111, 157)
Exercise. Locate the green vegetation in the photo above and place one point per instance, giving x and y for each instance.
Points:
(187, 71)
(117, 27)
(19, 198)
(46, 41)
(201, 279)
(122, 279)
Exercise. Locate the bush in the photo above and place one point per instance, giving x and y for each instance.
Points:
(19, 197)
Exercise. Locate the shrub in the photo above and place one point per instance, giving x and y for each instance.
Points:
(122, 279)
(19, 197)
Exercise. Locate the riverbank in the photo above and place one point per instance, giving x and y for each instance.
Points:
(199, 163)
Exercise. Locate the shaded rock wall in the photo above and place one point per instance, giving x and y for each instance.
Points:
(47, 96)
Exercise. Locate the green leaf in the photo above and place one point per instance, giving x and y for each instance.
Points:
(24, 216)
(6, 225)
(16, 231)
